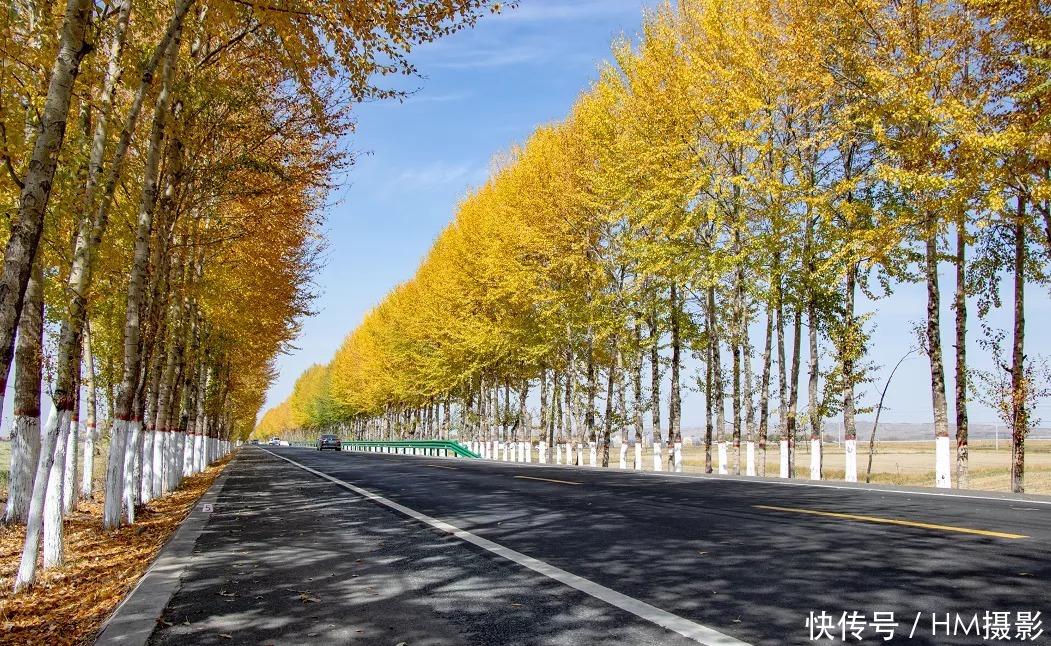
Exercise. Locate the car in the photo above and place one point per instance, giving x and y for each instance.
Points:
(275, 441)
(254, 442)
(329, 441)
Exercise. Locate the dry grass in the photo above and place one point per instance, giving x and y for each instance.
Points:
(69, 604)
(906, 463)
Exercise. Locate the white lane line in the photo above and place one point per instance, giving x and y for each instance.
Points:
(815, 485)
(685, 627)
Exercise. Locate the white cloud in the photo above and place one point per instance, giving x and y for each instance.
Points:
(489, 57)
(436, 173)
(449, 97)
(534, 11)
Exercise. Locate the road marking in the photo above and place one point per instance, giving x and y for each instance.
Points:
(438, 466)
(675, 623)
(893, 521)
(549, 480)
(992, 497)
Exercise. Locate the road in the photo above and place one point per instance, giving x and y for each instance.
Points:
(558, 555)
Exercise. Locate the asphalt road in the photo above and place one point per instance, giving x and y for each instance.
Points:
(291, 557)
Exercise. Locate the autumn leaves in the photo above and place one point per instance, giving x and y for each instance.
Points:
(730, 185)
(165, 171)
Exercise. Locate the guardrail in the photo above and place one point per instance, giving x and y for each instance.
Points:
(436, 448)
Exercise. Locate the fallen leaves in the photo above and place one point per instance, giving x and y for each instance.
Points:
(68, 605)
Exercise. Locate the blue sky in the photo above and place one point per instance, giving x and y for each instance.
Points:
(482, 90)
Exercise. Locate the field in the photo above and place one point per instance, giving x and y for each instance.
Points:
(99, 470)
(907, 463)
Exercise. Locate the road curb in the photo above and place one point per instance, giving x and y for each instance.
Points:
(135, 618)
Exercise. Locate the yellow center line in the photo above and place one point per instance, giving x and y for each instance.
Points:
(438, 466)
(549, 480)
(893, 521)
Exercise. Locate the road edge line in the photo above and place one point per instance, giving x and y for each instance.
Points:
(692, 630)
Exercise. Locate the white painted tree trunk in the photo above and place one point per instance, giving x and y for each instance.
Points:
(623, 455)
(722, 458)
(750, 458)
(198, 452)
(175, 457)
(677, 457)
(815, 459)
(638, 456)
(137, 460)
(784, 459)
(149, 461)
(558, 454)
(178, 456)
(593, 453)
(542, 452)
(87, 484)
(25, 453)
(69, 480)
(115, 474)
(942, 463)
(132, 448)
(851, 457)
(35, 523)
(187, 455)
(658, 461)
(54, 534)
(164, 477)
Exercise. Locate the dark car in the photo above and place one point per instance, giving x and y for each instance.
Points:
(328, 441)
(255, 442)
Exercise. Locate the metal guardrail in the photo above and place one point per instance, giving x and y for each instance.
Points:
(405, 447)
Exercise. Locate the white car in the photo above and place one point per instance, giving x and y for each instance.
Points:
(275, 442)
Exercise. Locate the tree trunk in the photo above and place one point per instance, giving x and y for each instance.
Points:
(962, 479)
(709, 397)
(675, 399)
(749, 408)
(850, 425)
(91, 430)
(1019, 386)
(934, 353)
(21, 248)
(125, 410)
(764, 395)
(592, 392)
(607, 423)
(782, 385)
(637, 392)
(717, 376)
(735, 354)
(25, 433)
(793, 399)
(70, 476)
(815, 416)
(655, 392)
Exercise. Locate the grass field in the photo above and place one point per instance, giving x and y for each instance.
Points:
(99, 470)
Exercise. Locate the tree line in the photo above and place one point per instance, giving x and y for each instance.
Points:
(732, 182)
(166, 166)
